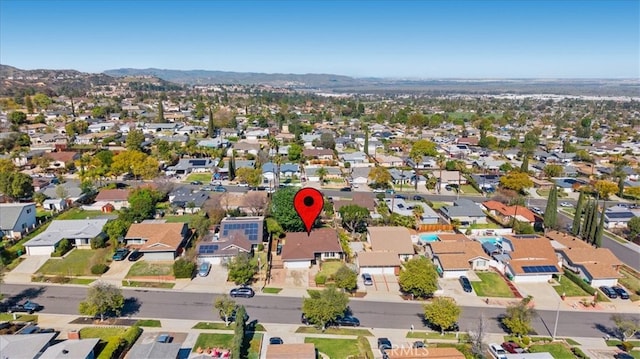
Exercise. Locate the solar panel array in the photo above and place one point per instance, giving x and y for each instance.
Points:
(198, 162)
(208, 248)
(539, 269)
(251, 230)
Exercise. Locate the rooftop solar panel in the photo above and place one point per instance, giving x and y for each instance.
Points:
(539, 269)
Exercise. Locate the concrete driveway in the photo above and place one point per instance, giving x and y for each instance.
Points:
(386, 283)
(23, 272)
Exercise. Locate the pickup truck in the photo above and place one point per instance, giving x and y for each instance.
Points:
(27, 306)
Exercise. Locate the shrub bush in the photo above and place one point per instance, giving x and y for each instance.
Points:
(64, 246)
(627, 346)
(132, 334)
(112, 349)
(526, 341)
(99, 269)
(260, 247)
(98, 242)
(59, 279)
(183, 268)
(579, 353)
(582, 284)
(321, 279)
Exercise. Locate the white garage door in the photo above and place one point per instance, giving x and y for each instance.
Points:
(297, 264)
(453, 274)
(40, 251)
(532, 278)
(210, 260)
(377, 270)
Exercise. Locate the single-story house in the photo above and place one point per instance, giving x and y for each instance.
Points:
(186, 201)
(362, 199)
(455, 258)
(528, 258)
(72, 190)
(403, 208)
(291, 351)
(355, 159)
(318, 154)
(312, 173)
(157, 239)
(60, 159)
(596, 266)
(253, 227)
(17, 219)
(360, 175)
(118, 198)
(79, 232)
(506, 214)
(379, 262)
(569, 185)
(54, 204)
(25, 345)
(192, 165)
(214, 250)
(72, 348)
(302, 251)
(149, 347)
(391, 239)
(617, 217)
(465, 211)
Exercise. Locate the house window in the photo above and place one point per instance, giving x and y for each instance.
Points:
(481, 263)
(28, 210)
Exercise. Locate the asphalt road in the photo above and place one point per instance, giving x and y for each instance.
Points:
(286, 310)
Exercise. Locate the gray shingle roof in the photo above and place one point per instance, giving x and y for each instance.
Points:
(9, 213)
(70, 229)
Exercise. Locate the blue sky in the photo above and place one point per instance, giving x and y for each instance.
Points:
(417, 39)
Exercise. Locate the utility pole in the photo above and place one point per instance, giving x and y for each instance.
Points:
(555, 326)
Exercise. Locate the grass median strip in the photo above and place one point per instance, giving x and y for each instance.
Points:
(335, 331)
(269, 290)
(151, 323)
(436, 336)
(132, 283)
(222, 326)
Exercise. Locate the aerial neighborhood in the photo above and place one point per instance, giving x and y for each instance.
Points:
(436, 210)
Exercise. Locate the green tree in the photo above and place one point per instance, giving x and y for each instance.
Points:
(116, 229)
(586, 222)
(423, 148)
(575, 227)
(418, 278)
(253, 176)
(366, 141)
(226, 307)
(322, 174)
(274, 228)
(160, 115)
(28, 103)
(345, 278)
(295, 153)
(98, 112)
(600, 230)
(524, 167)
(283, 211)
(605, 188)
(42, 101)
(200, 224)
(518, 318)
(183, 268)
(552, 170)
(327, 141)
(17, 117)
(16, 185)
(634, 227)
(232, 166)
(239, 350)
(551, 211)
(102, 299)
(142, 205)
(380, 176)
(211, 127)
(242, 268)
(354, 217)
(200, 110)
(442, 312)
(516, 180)
(324, 306)
(134, 140)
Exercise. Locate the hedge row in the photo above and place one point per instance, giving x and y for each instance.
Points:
(577, 280)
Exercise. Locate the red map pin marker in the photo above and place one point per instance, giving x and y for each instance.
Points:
(308, 203)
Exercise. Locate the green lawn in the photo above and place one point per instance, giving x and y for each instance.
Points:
(202, 177)
(225, 341)
(558, 351)
(132, 283)
(330, 268)
(491, 285)
(19, 317)
(78, 213)
(334, 331)
(186, 218)
(222, 326)
(335, 348)
(569, 288)
(104, 333)
(269, 290)
(489, 225)
(145, 269)
(468, 189)
(81, 281)
(630, 282)
(615, 343)
(435, 335)
(149, 323)
(438, 205)
(77, 263)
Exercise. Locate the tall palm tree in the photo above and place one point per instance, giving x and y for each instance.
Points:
(441, 163)
(322, 173)
(415, 158)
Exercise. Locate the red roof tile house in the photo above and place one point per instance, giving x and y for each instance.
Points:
(302, 251)
(390, 246)
(528, 258)
(60, 159)
(596, 266)
(505, 214)
(455, 258)
(159, 241)
(118, 198)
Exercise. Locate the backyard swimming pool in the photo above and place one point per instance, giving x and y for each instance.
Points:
(428, 237)
(493, 240)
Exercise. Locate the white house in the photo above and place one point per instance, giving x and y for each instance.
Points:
(78, 231)
(17, 218)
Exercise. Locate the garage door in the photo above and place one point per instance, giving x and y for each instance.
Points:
(210, 260)
(40, 251)
(377, 270)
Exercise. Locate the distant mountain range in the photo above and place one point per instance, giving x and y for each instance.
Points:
(13, 81)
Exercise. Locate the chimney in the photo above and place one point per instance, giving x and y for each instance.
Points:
(73, 334)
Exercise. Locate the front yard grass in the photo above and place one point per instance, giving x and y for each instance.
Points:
(225, 341)
(569, 288)
(334, 331)
(438, 205)
(558, 351)
(78, 213)
(138, 284)
(222, 326)
(202, 177)
(76, 263)
(19, 317)
(335, 348)
(631, 282)
(436, 335)
(185, 218)
(330, 268)
(491, 285)
(147, 269)
(468, 189)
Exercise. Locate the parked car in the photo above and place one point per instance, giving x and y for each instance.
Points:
(243, 184)
(466, 284)
(135, 255)
(304, 320)
(384, 344)
(623, 355)
(379, 190)
(196, 183)
(368, 280)
(219, 189)
(346, 321)
(26, 306)
(245, 292)
(276, 341)
(345, 189)
(164, 338)
(418, 198)
(565, 204)
(32, 329)
(390, 191)
(622, 293)
(418, 344)
(120, 254)
(399, 196)
(497, 351)
(204, 269)
(512, 347)
(609, 292)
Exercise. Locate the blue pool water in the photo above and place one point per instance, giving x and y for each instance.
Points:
(494, 240)
(428, 237)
